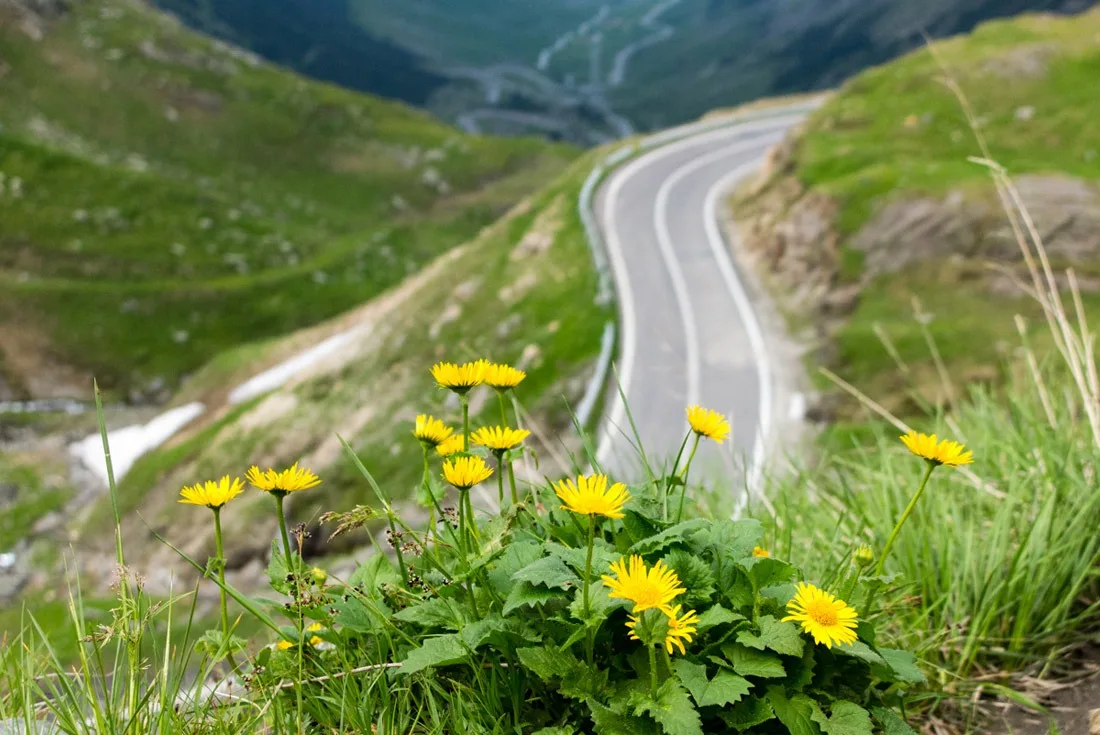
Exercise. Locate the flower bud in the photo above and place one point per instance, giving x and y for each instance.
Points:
(863, 556)
(319, 575)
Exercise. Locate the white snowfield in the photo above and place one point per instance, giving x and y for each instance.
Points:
(129, 443)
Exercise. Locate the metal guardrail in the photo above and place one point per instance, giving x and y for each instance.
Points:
(596, 244)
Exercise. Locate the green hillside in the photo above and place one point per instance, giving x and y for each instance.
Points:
(165, 197)
(885, 165)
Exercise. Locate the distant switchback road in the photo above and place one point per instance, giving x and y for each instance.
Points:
(690, 332)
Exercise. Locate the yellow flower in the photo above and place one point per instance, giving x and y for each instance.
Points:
(760, 552)
(284, 645)
(710, 424)
(680, 629)
(655, 587)
(499, 438)
(450, 446)
(212, 494)
(315, 640)
(945, 452)
(465, 472)
(431, 431)
(591, 496)
(830, 621)
(460, 378)
(503, 377)
(289, 480)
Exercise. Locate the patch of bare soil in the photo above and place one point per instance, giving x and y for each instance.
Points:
(1075, 707)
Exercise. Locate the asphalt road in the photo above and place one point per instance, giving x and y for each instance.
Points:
(690, 332)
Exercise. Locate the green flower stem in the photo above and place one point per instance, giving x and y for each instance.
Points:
(512, 482)
(652, 670)
(684, 477)
(668, 482)
(465, 422)
(279, 498)
(587, 576)
(503, 413)
(500, 478)
(904, 517)
(463, 495)
(427, 484)
(219, 549)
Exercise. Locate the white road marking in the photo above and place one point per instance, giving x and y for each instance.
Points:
(749, 319)
(617, 417)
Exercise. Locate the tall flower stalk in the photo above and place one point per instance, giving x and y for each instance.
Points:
(279, 484)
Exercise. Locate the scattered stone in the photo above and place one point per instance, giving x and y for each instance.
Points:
(466, 289)
(1025, 113)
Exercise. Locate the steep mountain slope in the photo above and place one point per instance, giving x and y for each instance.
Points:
(164, 197)
(878, 232)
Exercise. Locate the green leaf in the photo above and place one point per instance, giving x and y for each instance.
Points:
(779, 637)
(548, 663)
(609, 722)
(748, 662)
(360, 614)
(637, 526)
(847, 718)
(438, 651)
(863, 652)
(603, 556)
(434, 613)
(795, 713)
(502, 633)
(695, 575)
(586, 685)
(748, 713)
(549, 571)
(724, 688)
(277, 569)
(715, 616)
(800, 673)
(669, 536)
(373, 573)
(599, 605)
(526, 594)
(767, 572)
(672, 709)
(903, 665)
(518, 555)
(891, 723)
(732, 540)
(564, 730)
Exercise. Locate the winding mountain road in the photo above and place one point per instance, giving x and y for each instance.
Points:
(690, 333)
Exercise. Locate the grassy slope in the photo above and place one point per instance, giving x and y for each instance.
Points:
(859, 150)
(370, 393)
(177, 199)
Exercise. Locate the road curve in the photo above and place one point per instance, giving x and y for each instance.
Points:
(689, 331)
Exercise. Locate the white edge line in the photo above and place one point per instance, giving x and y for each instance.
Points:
(752, 326)
(618, 261)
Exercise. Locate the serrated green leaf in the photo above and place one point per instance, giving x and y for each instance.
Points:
(609, 722)
(767, 572)
(795, 712)
(373, 573)
(714, 616)
(891, 723)
(732, 540)
(903, 665)
(695, 575)
(549, 664)
(669, 536)
(846, 718)
(862, 651)
(748, 713)
(518, 555)
(750, 662)
(599, 605)
(502, 633)
(672, 709)
(434, 613)
(441, 650)
(586, 685)
(549, 571)
(725, 688)
(564, 730)
(603, 556)
(775, 635)
(360, 615)
(637, 526)
(526, 594)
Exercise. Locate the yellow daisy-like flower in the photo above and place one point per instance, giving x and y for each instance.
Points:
(503, 377)
(710, 424)
(499, 438)
(460, 378)
(680, 629)
(944, 451)
(831, 622)
(591, 496)
(646, 588)
(212, 494)
(760, 552)
(465, 472)
(450, 446)
(431, 431)
(290, 480)
(284, 645)
(315, 640)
